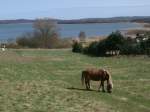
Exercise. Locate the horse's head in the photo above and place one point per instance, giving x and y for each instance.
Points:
(109, 87)
(109, 82)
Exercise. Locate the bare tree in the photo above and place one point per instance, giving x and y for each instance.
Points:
(46, 28)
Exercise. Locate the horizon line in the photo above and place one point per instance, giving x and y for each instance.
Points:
(74, 18)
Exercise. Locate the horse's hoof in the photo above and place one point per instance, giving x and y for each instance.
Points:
(109, 91)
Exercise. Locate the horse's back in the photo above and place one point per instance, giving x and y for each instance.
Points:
(94, 74)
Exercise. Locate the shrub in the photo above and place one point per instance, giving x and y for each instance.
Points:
(29, 40)
(128, 49)
(96, 49)
(77, 47)
(114, 41)
(85, 50)
(145, 46)
(93, 49)
(102, 49)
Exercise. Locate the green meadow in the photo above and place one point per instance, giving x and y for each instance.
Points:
(50, 81)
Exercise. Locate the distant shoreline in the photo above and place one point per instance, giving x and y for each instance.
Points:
(138, 19)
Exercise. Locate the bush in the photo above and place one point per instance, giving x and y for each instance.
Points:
(130, 49)
(102, 49)
(93, 49)
(145, 45)
(29, 40)
(96, 49)
(85, 50)
(114, 41)
(77, 47)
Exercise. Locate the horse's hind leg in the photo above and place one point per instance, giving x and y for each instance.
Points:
(87, 84)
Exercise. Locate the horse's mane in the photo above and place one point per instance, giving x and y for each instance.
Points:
(110, 78)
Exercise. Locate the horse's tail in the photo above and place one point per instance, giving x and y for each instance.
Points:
(83, 77)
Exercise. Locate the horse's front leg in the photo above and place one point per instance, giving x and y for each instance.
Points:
(100, 86)
(103, 89)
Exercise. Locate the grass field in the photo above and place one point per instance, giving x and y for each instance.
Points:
(49, 81)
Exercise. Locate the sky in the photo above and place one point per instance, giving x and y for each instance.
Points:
(72, 9)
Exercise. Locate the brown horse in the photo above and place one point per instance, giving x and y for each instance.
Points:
(97, 75)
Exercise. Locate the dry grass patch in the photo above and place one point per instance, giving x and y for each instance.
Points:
(46, 96)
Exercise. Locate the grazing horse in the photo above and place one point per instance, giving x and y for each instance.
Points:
(97, 75)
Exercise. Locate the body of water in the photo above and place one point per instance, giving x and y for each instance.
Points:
(11, 31)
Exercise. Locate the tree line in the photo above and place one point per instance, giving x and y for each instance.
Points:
(116, 44)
